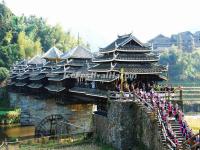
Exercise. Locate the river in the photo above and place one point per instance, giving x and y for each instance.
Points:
(33, 110)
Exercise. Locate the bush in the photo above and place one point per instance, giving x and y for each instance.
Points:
(4, 73)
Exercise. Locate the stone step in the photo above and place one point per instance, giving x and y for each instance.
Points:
(175, 125)
(176, 128)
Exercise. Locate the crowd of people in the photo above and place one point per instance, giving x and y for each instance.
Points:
(147, 93)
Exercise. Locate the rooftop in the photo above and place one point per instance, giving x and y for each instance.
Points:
(35, 85)
(127, 41)
(22, 77)
(77, 52)
(57, 78)
(38, 77)
(136, 57)
(53, 53)
(129, 68)
(90, 92)
(20, 84)
(37, 60)
(55, 88)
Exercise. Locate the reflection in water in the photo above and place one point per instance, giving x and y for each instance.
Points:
(34, 110)
(191, 107)
(16, 131)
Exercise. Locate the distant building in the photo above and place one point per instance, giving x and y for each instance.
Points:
(161, 41)
(185, 41)
(197, 39)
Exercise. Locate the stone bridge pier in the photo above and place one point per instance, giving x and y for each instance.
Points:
(128, 126)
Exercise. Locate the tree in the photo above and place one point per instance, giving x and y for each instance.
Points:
(23, 37)
(37, 47)
(8, 37)
(21, 42)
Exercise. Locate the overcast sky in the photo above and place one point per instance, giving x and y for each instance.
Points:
(100, 21)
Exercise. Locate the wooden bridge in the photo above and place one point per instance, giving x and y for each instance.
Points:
(155, 114)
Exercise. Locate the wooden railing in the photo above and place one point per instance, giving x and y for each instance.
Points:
(191, 143)
(168, 140)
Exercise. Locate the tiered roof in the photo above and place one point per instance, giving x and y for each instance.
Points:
(78, 52)
(37, 60)
(20, 84)
(54, 64)
(125, 43)
(38, 77)
(121, 57)
(35, 85)
(55, 88)
(22, 77)
(71, 62)
(125, 52)
(53, 54)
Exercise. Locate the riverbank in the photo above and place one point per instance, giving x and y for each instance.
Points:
(193, 122)
(67, 144)
(83, 146)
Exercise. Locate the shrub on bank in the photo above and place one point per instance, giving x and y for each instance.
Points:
(9, 115)
(4, 73)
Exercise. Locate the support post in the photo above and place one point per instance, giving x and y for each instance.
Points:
(181, 94)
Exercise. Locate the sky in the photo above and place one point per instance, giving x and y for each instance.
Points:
(99, 22)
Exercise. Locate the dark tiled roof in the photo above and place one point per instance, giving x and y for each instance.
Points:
(77, 52)
(77, 62)
(58, 70)
(20, 84)
(62, 63)
(21, 63)
(46, 70)
(37, 60)
(137, 57)
(55, 88)
(90, 92)
(72, 69)
(129, 68)
(101, 67)
(53, 53)
(24, 76)
(103, 57)
(121, 41)
(13, 76)
(11, 83)
(128, 57)
(82, 71)
(102, 79)
(50, 64)
(35, 85)
(38, 77)
(140, 68)
(57, 78)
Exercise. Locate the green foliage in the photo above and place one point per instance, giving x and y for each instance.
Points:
(8, 116)
(4, 73)
(23, 37)
(182, 65)
(4, 102)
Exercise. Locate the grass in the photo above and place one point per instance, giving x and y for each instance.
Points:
(75, 146)
(193, 122)
(9, 111)
(65, 144)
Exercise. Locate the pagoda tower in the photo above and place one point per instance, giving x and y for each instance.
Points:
(128, 56)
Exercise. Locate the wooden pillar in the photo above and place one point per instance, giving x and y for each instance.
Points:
(181, 94)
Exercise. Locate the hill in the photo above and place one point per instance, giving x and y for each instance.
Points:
(23, 37)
